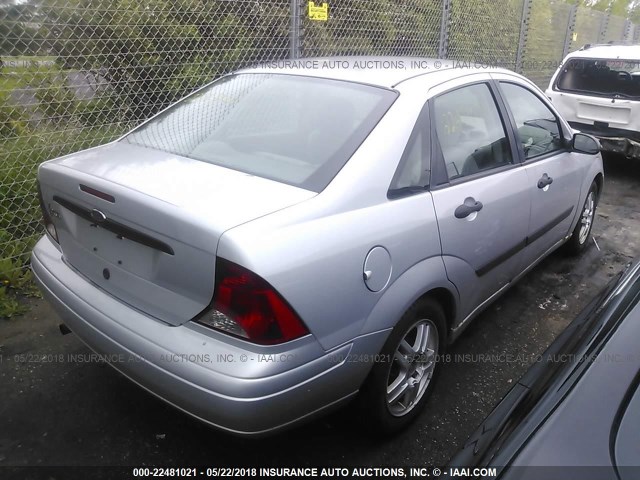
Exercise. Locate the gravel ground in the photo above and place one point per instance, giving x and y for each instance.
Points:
(72, 413)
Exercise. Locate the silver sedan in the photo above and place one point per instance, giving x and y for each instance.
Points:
(285, 239)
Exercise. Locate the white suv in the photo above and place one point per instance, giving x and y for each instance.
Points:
(597, 90)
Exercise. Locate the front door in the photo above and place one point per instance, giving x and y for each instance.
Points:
(554, 173)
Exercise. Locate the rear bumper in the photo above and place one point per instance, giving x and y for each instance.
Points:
(615, 140)
(225, 382)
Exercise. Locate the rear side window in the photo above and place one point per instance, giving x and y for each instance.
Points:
(538, 127)
(606, 78)
(412, 175)
(470, 131)
(289, 128)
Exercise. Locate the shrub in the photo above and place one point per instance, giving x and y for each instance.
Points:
(13, 121)
(57, 102)
(97, 112)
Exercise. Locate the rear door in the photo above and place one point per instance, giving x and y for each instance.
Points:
(554, 174)
(480, 191)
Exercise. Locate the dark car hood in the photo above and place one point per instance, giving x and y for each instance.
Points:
(565, 411)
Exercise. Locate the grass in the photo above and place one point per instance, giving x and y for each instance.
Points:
(9, 305)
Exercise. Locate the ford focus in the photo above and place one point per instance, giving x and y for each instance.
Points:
(284, 240)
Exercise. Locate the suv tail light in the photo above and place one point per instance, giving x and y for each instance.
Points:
(245, 305)
(46, 217)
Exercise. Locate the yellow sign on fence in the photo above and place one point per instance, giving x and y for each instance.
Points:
(319, 12)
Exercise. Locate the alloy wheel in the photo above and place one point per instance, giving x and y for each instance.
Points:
(412, 367)
(587, 217)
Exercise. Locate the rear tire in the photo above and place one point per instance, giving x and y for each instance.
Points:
(400, 383)
(582, 233)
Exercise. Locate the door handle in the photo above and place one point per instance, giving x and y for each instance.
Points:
(468, 207)
(545, 181)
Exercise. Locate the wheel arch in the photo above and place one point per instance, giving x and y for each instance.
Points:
(599, 181)
(447, 301)
(427, 279)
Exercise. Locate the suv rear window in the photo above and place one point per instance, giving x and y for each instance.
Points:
(607, 78)
(293, 129)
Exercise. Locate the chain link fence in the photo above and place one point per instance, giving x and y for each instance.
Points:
(78, 73)
(548, 30)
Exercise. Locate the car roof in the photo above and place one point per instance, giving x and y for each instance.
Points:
(380, 71)
(608, 52)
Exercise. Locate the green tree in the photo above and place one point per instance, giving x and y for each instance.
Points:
(19, 34)
(152, 53)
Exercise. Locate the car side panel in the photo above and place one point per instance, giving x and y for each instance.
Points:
(318, 265)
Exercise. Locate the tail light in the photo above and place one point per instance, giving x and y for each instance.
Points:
(246, 306)
(46, 217)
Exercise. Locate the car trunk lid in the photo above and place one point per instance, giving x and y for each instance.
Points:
(144, 225)
(593, 110)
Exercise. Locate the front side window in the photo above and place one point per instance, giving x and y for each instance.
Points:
(538, 128)
(470, 131)
(293, 129)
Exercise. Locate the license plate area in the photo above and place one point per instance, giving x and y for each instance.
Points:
(604, 113)
(117, 250)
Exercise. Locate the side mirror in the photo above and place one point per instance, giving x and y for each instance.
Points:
(583, 143)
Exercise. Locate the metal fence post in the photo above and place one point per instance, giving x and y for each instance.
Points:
(294, 29)
(524, 32)
(627, 31)
(445, 27)
(571, 28)
(604, 26)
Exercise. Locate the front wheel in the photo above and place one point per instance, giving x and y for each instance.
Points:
(582, 232)
(399, 384)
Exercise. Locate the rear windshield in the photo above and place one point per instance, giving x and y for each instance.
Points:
(293, 129)
(607, 78)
